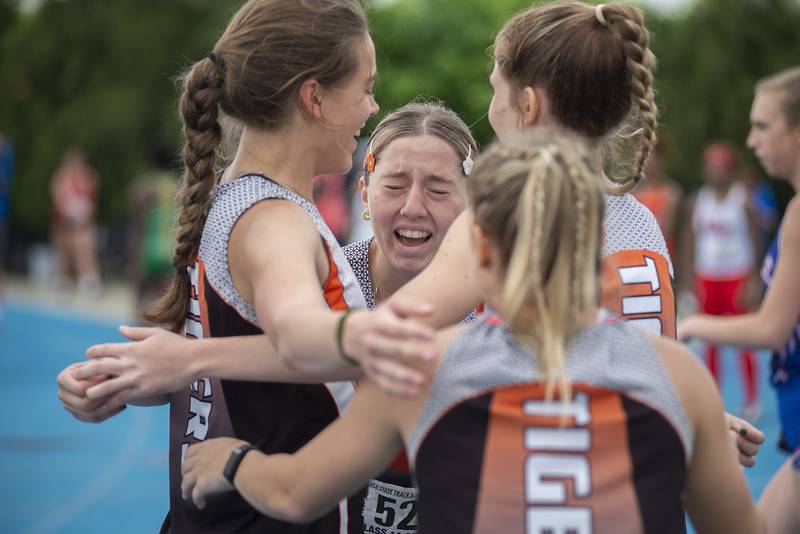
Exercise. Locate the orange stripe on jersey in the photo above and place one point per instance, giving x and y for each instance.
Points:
(333, 287)
(494, 320)
(201, 297)
(637, 286)
(400, 463)
(538, 476)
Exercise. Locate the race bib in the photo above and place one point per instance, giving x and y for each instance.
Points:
(390, 509)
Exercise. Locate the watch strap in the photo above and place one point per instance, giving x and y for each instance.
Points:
(235, 459)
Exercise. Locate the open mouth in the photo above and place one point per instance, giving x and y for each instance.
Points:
(412, 238)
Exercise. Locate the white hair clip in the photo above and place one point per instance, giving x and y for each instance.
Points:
(468, 163)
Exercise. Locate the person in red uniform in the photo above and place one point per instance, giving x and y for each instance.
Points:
(720, 246)
(74, 194)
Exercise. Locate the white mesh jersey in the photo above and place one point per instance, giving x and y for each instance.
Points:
(278, 418)
(723, 244)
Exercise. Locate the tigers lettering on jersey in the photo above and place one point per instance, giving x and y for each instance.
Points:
(573, 478)
(557, 456)
(201, 391)
(637, 286)
(194, 326)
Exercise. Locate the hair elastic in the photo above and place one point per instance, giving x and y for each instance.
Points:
(468, 162)
(218, 61)
(598, 14)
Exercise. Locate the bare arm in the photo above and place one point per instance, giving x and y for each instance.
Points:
(715, 484)
(285, 291)
(778, 503)
(750, 297)
(447, 282)
(303, 486)
(158, 362)
(336, 463)
(777, 316)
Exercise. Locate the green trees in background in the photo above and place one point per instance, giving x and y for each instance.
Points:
(709, 62)
(100, 74)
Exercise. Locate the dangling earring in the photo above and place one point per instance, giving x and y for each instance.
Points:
(365, 214)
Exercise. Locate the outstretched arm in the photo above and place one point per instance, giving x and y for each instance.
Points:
(771, 326)
(157, 362)
(305, 485)
(285, 290)
(336, 463)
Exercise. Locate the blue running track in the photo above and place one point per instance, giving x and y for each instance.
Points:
(58, 475)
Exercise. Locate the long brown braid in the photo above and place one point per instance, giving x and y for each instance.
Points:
(199, 109)
(628, 23)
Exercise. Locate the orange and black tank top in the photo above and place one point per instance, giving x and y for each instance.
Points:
(637, 275)
(278, 418)
(490, 454)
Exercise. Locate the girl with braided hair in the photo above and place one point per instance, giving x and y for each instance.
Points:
(567, 64)
(775, 139)
(587, 70)
(534, 393)
(253, 255)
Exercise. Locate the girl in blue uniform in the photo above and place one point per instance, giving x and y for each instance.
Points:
(775, 138)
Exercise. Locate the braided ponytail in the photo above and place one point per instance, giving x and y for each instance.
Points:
(595, 65)
(541, 203)
(199, 109)
(628, 24)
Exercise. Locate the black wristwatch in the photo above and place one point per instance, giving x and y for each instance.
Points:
(236, 457)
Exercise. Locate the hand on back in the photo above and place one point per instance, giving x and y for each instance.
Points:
(391, 343)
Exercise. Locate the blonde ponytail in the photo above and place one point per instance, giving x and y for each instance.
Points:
(541, 203)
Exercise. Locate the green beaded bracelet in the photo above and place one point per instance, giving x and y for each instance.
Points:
(340, 339)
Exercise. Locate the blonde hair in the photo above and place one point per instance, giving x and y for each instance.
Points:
(423, 117)
(541, 203)
(787, 83)
(598, 75)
